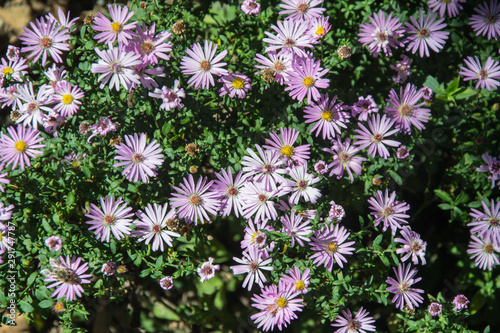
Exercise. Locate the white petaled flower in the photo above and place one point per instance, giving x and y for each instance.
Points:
(152, 226)
(300, 186)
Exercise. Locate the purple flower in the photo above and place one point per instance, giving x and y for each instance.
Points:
(103, 127)
(13, 69)
(251, 264)
(68, 276)
(425, 34)
(327, 116)
(301, 9)
(279, 64)
(203, 63)
(321, 167)
(381, 34)
(229, 192)
(484, 251)
(402, 153)
(149, 46)
(298, 281)
(364, 107)
(435, 309)
(152, 226)
(67, 98)
(336, 213)
(376, 138)
(257, 202)
(460, 302)
(108, 268)
(387, 210)
(33, 104)
(293, 227)
(487, 20)
(291, 38)
(118, 29)
(207, 270)
(360, 323)
(12, 53)
(256, 238)
(114, 217)
(235, 84)
(412, 245)
(300, 186)
(305, 79)
(167, 283)
(344, 159)
(193, 201)
(401, 286)
(405, 109)
(5, 212)
(427, 93)
(117, 65)
(171, 98)
(9, 97)
(284, 145)
(3, 180)
(139, 160)
(485, 75)
(492, 166)
(266, 168)
(403, 69)
(328, 243)
(250, 7)
(487, 224)
(319, 27)
(19, 145)
(453, 7)
(63, 20)
(145, 76)
(54, 243)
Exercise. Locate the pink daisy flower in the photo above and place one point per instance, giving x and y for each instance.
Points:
(364, 107)
(300, 186)
(108, 268)
(284, 145)
(257, 201)
(376, 137)
(319, 27)
(229, 191)
(145, 76)
(19, 145)
(381, 34)
(67, 99)
(251, 264)
(149, 46)
(54, 243)
(202, 63)
(401, 286)
(291, 38)
(266, 167)
(425, 34)
(485, 75)
(321, 167)
(118, 66)
(435, 309)
(296, 229)
(485, 252)
(13, 53)
(344, 159)
(492, 166)
(460, 302)
(152, 226)
(360, 323)
(171, 98)
(9, 97)
(167, 283)
(402, 68)
(298, 281)
(487, 20)
(235, 84)
(386, 209)
(305, 79)
(13, 69)
(413, 246)
(116, 29)
(486, 223)
(328, 243)
(256, 238)
(280, 64)
(207, 270)
(33, 104)
(56, 75)
(51, 121)
(453, 7)
(114, 217)
(327, 117)
(301, 9)
(63, 20)
(250, 7)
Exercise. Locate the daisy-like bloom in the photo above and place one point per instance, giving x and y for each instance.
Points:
(108, 268)
(266, 168)
(305, 79)
(193, 201)
(74, 159)
(402, 153)
(19, 146)
(68, 275)
(13, 53)
(235, 84)
(257, 201)
(117, 65)
(381, 33)
(140, 161)
(152, 226)
(6, 242)
(327, 116)
(291, 38)
(487, 20)
(228, 190)
(360, 323)
(412, 245)
(405, 109)
(484, 251)
(486, 224)
(435, 309)
(460, 302)
(284, 145)
(250, 7)
(298, 281)
(328, 243)
(8, 97)
(425, 34)
(387, 210)
(344, 159)
(277, 306)
(44, 37)
(452, 7)
(492, 166)
(256, 238)
(321, 167)
(401, 286)
(117, 29)
(67, 98)
(319, 27)
(56, 75)
(58, 307)
(114, 217)
(293, 227)
(301, 9)
(427, 93)
(122, 269)
(51, 121)
(279, 64)
(364, 107)
(376, 137)
(300, 186)
(103, 127)
(149, 46)
(202, 63)
(33, 105)
(402, 68)
(336, 213)
(167, 283)
(5, 212)
(63, 20)
(171, 98)
(54, 243)
(13, 69)
(485, 75)
(145, 76)
(207, 270)
(252, 263)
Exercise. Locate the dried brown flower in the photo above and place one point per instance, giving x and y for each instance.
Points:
(143, 5)
(14, 115)
(115, 140)
(88, 19)
(268, 75)
(344, 52)
(191, 149)
(172, 224)
(178, 28)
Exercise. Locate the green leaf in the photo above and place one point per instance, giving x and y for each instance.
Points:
(443, 195)
(432, 83)
(378, 239)
(452, 88)
(25, 307)
(31, 279)
(465, 93)
(397, 178)
(385, 261)
(70, 199)
(46, 304)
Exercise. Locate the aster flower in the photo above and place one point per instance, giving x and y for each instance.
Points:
(67, 275)
(13, 69)
(294, 227)
(402, 153)
(145, 76)
(108, 268)
(381, 33)
(291, 38)
(435, 309)
(279, 64)
(115, 29)
(256, 238)
(301, 9)
(33, 104)
(171, 98)
(266, 168)
(321, 167)
(152, 226)
(54, 243)
(487, 20)
(103, 127)
(58, 307)
(118, 66)
(252, 263)
(387, 210)
(405, 109)
(319, 27)
(460, 302)
(250, 7)
(257, 202)
(486, 224)
(297, 281)
(360, 323)
(484, 251)
(327, 116)
(114, 217)
(235, 84)
(19, 146)
(56, 75)
(51, 121)
(412, 245)
(67, 99)
(5, 211)
(300, 186)
(3, 179)
(376, 137)
(328, 243)
(140, 161)
(305, 79)
(193, 201)
(336, 213)
(427, 93)
(149, 46)
(402, 68)
(13, 53)
(63, 20)
(167, 283)
(44, 38)
(9, 97)
(452, 7)
(207, 270)
(284, 145)
(401, 286)
(344, 159)
(425, 34)
(492, 166)
(203, 63)
(485, 75)
(229, 192)
(364, 107)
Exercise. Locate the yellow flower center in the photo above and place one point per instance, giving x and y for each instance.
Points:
(195, 200)
(326, 115)
(116, 27)
(308, 81)
(488, 248)
(59, 306)
(205, 65)
(281, 302)
(21, 146)
(406, 110)
(67, 99)
(332, 247)
(238, 83)
(287, 151)
(253, 236)
(45, 42)
(7, 70)
(299, 285)
(320, 31)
